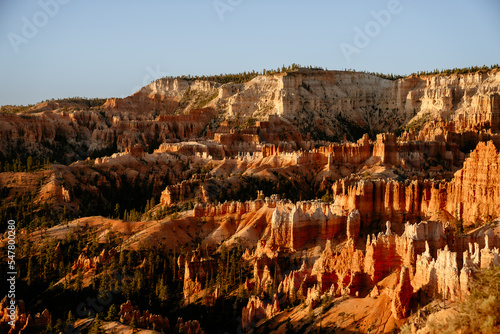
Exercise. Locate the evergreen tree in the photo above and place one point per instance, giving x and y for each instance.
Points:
(162, 291)
(31, 271)
(117, 211)
(133, 325)
(112, 313)
(70, 319)
(96, 326)
(29, 164)
(77, 286)
(59, 326)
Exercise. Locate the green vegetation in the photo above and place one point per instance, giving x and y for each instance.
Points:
(327, 197)
(204, 99)
(96, 326)
(249, 122)
(465, 70)
(85, 101)
(247, 76)
(247, 186)
(82, 101)
(28, 165)
(419, 123)
(8, 109)
(26, 213)
(20, 202)
(198, 99)
(239, 77)
(149, 277)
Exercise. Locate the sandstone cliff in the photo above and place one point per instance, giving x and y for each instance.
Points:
(473, 193)
(329, 102)
(319, 104)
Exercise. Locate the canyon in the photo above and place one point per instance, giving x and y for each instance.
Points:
(296, 201)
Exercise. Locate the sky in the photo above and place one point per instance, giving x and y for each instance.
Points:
(111, 48)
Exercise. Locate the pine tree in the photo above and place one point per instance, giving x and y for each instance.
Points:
(96, 326)
(31, 271)
(71, 318)
(162, 291)
(78, 281)
(59, 326)
(117, 211)
(29, 164)
(133, 324)
(112, 313)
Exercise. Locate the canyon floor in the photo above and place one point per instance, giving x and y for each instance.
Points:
(307, 201)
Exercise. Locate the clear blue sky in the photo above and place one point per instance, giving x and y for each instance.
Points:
(98, 48)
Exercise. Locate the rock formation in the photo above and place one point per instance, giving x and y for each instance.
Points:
(472, 194)
(252, 168)
(189, 327)
(22, 318)
(323, 101)
(402, 294)
(86, 263)
(143, 319)
(197, 273)
(257, 310)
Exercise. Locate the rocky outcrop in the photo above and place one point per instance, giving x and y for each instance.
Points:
(323, 99)
(384, 200)
(212, 210)
(257, 310)
(204, 149)
(273, 134)
(381, 256)
(448, 275)
(179, 192)
(353, 225)
(21, 319)
(267, 272)
(349, 153)
(402, 295)
(294, 285)
(439, 276)
(304, 223)
(197, 273)
(78, 134)
(470, 196)
(188, 327)
(473, 193)
(143, 319)
(339, 272)
(471, 99)
(86, 263)
(386, 148)
(321, 103)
